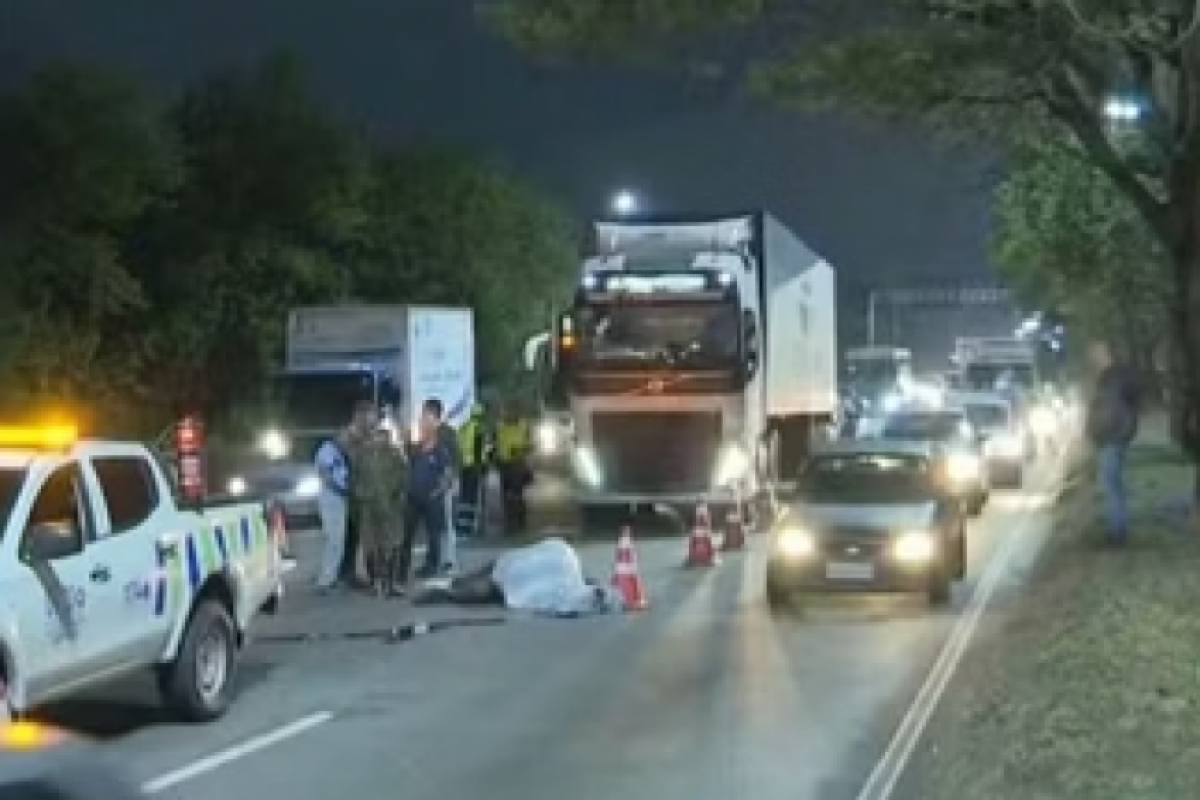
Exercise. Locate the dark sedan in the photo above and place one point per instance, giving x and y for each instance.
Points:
(870, 516)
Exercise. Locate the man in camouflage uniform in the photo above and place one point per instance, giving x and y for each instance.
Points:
(379, 489)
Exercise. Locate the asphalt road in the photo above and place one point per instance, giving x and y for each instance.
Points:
(706, 696)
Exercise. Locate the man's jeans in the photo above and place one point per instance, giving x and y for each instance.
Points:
(450, 543)
(1110, 463)
(332, 508)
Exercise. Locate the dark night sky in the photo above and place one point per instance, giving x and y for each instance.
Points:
(876, 202)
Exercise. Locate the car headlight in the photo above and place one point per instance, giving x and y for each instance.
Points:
(890, 403)
(547, 438)
(308, 486)
(587, 466)
(273, 444)
(732, 465)
(794, 542)
(237, 486)
(1005, 446)
(914, 547)
(962, 468)
(1042, 421)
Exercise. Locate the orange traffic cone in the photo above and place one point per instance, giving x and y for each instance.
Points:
(626, 578)
(735, 531)
(700, 552)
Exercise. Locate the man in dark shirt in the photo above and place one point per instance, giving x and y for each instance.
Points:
(430, 477)
(1112, 424)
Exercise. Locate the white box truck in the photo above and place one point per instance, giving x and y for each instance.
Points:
(700, 359)
(335, 356)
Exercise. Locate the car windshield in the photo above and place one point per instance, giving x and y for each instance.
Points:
(987, 415)
(939, 426)
(11, 481)
(868, 479)
(660, 334)
(320, 401)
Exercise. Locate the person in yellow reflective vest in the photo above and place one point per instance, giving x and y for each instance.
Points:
(513, 442)
(473, 445)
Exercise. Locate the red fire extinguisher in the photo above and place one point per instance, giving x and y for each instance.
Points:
(189, 449)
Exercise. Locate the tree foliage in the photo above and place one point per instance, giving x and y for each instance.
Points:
(1066, 239)
(999, 68)
(151, 253)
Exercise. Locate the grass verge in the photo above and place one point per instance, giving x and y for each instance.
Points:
(1088, 686)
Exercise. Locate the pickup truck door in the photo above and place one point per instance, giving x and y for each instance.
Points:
(124, 560)
(51, 599)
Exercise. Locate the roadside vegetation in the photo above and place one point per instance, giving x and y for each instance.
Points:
(1088, 686)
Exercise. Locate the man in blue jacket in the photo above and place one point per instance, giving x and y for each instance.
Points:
(430, 478)
(1112, 424)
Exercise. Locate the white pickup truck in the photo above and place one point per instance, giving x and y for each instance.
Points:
(102, 574)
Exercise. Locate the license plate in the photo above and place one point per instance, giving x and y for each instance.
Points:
(849, 571)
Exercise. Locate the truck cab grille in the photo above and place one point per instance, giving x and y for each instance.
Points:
(657, 453)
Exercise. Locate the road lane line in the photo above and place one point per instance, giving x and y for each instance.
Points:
(887, 772)
(220, 758)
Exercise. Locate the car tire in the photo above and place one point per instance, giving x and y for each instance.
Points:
(198, 685)
(940, 585)
(960, 549)
(780, 596)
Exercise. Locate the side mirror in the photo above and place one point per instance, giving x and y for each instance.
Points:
(51, 541)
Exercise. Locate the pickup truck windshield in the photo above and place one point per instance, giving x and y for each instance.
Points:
(657, 335)
(868, 479)
(987, 415)
(320, 401)
(11, 481)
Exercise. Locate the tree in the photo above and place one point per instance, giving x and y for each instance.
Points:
(82, 157)
(980, 64)
(449, 229)
(1067, 240)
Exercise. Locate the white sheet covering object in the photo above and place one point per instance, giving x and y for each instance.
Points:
(547, 578)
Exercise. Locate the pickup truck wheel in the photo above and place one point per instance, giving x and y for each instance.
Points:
(780, 596)
(197, 685)
(940, 584)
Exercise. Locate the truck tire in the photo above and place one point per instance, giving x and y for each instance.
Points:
(780, 596)
(198, 685)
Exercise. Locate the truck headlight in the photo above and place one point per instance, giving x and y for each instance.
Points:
(795, 542)
(962, 468)
(1005, 446)
(237, 486)
(547, 438)
(308, 486)
(732, 465)
(273, 444)
(587, 466)
(914, 547)
(1042, 421)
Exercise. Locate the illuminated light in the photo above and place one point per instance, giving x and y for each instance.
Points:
(963, 468)
(308, 486)
(25, 735)
(795, 543)
(41, 437)
(237, 486)
(567, 342)
(273, 444)
(915, 547)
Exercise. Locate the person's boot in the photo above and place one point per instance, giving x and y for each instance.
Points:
(395, 581)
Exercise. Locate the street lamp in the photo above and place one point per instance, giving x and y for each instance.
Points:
(624, 203)
(1122, 109)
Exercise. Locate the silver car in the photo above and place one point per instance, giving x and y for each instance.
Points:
(870, 516)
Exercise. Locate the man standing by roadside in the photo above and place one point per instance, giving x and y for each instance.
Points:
(449, 440)
(1112, 424)
(379, 490)
(333, 469)
(431, 476)
(512, 458)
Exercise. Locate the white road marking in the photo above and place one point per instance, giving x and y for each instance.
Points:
(891, 765)
(220, 758)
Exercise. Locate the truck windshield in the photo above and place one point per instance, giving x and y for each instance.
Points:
(926, 427)
(993, 377)
(658, 335)
(320, 401)
(11, 481)
(987, 415)
(867, 479)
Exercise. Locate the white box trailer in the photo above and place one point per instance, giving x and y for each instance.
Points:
(730, 365)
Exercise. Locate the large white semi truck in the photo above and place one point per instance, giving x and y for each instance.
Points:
(699, 359)
(335, 356)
